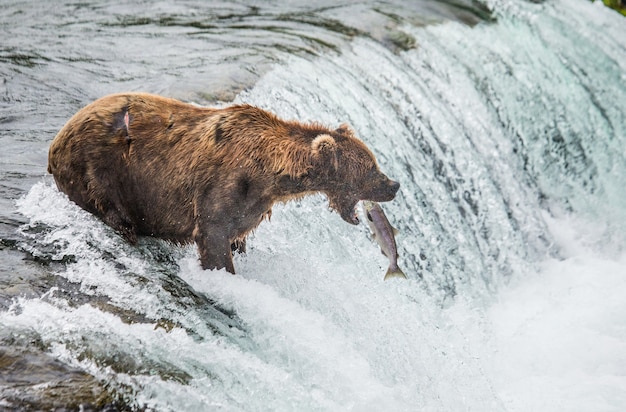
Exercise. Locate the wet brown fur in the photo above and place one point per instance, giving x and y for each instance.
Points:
(149, 165)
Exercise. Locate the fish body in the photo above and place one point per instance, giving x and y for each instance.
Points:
(384, 234)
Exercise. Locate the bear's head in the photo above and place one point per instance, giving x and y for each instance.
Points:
(349, 172)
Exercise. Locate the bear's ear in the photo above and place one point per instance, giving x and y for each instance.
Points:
(345, 130)
(324, 149)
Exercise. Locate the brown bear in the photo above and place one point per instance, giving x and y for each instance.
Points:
(149, 165)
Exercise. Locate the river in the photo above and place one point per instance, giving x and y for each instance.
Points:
(503, 120)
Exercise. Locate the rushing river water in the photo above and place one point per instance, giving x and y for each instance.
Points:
(505, 123)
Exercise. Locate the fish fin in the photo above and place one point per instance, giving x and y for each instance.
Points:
(395, 273)
(395, 231)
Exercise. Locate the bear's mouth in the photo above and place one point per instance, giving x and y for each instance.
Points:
(346, 209)
(350, 215)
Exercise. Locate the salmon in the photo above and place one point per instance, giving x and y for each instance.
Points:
(384, 234)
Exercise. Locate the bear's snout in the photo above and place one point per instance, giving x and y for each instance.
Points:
(394, 187)
(385, 191)
(390, 190)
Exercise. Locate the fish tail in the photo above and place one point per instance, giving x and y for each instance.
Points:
(395, 272)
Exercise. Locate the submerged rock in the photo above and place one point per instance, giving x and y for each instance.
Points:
(34, 381)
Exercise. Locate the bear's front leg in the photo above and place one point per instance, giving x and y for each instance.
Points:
(215, 250)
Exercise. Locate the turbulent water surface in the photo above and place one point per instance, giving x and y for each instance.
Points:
(503, 120)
